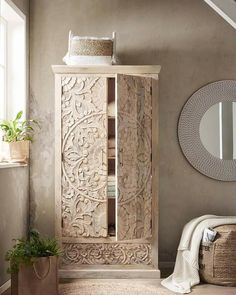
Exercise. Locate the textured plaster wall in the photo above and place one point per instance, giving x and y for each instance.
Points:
(23, 5)
(193, 44)
(14, 211)
(14, 196)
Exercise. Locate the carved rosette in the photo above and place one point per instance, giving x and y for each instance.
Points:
(84, 157)
(106, 254)
(134, 157)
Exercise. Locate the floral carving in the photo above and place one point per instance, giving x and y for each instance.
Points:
(106, 254)
(84, 160)
(134, 161)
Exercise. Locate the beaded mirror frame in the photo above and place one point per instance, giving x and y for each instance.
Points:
(189, 135)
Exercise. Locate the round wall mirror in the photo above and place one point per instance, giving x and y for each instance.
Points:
(218, 130)
(207, 130)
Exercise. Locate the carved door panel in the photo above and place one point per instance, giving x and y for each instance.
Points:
(84, 156)
(134, 129)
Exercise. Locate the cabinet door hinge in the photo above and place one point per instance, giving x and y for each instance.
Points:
(151, 90)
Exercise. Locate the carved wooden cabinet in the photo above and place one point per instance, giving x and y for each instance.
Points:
(106, 170)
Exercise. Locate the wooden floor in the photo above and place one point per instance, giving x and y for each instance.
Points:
(198, 290)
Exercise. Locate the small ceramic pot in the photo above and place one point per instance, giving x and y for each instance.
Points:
(19, 151)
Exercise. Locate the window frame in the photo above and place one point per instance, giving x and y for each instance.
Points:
(10, 108)
(9, 99)
(4, 66)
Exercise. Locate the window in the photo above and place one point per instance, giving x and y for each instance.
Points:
(12, 60)
(3, 66)
(12, 64)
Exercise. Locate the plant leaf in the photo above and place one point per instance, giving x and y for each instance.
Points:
(16, 130)
(18, 116)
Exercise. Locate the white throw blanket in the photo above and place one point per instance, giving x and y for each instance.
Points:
(185, 273)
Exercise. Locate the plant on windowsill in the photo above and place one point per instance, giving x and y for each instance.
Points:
(18, 134)
(33, 265)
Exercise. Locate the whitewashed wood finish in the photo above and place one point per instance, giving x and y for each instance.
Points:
(140, 270)
(120, 69)
(107, 239)
(155, 171)
(134, 123)
(84, 153)
(106, 254)
(58, 159)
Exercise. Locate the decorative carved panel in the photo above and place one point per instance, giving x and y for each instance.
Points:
(84, 156)
(134, 157)
(106, 254)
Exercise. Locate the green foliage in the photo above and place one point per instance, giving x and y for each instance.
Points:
(26, 250)
(17, 129)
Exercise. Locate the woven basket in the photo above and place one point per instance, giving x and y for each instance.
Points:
(217, 262)
(91, 50)
(91, 47)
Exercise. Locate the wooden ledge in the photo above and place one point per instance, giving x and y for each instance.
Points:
(101, 69)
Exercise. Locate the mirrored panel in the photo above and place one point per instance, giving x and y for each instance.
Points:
(218, 130)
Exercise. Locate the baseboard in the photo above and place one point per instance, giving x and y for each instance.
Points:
(5, 286)
(110, 273)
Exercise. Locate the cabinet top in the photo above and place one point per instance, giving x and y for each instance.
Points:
(107, 69)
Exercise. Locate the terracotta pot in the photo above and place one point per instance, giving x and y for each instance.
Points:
(41, 278)
(19, 151)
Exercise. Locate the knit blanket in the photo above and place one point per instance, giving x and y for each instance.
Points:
(186, 269)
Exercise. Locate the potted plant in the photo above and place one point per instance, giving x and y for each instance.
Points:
(33, 265)
(18, 134)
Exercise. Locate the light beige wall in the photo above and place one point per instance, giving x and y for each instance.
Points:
(23, 5)
(14, 198)
(193, 44)
(14, 211)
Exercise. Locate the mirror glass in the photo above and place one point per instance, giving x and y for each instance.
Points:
(218, 130)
